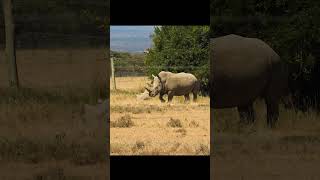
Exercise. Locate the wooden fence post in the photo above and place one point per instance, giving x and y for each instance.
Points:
(10, 51)
(113, 74)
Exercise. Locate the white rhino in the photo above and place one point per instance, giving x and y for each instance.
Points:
(174, 84)
(143, 96)
(243, 69)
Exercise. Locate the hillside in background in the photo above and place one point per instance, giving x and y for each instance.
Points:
(130, 38)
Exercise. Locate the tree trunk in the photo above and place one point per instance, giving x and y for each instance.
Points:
(10, 44)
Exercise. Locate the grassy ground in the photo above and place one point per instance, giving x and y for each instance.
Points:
(290, 151)
(53, 69)
(45, 132)
(153, 128)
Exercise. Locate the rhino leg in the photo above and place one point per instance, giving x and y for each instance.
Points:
(194, 97)
(161, 97)
(170, 96)
(186, 98)
(195, 91)
(272, 112)
(246, 113)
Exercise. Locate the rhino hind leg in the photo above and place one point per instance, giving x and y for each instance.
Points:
(194, 97)
(195, 91)
(246, 113)
(272, 112)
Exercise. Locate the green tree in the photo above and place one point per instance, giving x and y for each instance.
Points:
(180, 49)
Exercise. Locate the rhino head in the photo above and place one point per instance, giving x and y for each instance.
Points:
(156, 87)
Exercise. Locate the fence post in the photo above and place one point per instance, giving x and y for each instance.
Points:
(10, 51)
(113, 74)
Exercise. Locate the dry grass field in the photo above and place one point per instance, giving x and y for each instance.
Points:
(149, 127)
(290, 151)
(53, 69)
(45, 130)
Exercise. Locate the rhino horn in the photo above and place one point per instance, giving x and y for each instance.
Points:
(153, 76)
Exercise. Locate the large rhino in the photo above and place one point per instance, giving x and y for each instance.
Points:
(243, 69)
(174, 84)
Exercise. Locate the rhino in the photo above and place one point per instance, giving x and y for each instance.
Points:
(243, 69)
(174, 84)
(143, 96)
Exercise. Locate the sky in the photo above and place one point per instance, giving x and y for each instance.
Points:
(130, 38)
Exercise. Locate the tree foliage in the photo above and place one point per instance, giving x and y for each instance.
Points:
(180, 49)
(290, 27)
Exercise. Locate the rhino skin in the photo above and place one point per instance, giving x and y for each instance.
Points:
(242, 70)
(174, 84)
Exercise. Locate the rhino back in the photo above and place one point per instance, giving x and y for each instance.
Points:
(240, 69)
(181, 83)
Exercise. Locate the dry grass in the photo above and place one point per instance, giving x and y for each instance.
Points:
(130, 84)
(44, 130)
(58, 170)
(123, 122)
(54, 69)
(290, 151)
(159, 128)
(174, 123)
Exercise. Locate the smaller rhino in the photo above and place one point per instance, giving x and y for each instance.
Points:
(174, 84)
(143, 96)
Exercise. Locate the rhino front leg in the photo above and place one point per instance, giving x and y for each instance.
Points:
(161, 97)
(170, 96)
